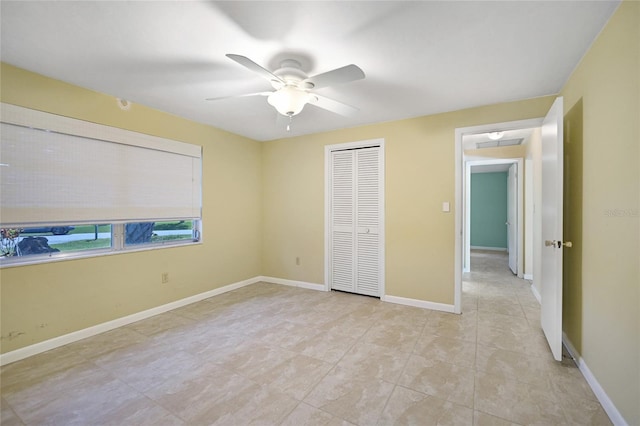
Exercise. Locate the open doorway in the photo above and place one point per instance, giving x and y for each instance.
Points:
(494, 210)
(499, 146)
(548, 194)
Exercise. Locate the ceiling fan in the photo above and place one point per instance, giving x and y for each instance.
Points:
(293, 88)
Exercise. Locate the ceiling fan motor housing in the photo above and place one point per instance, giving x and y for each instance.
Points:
(291, 73)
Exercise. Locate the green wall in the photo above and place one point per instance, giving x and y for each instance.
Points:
(489, 209)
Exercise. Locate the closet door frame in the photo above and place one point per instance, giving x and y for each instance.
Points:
(371, 143)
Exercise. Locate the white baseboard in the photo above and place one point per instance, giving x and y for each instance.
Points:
(293, 283)
(65, 339)
(390, 299)
(611, 410)
(536, 294)
(528, 277)
(418, 303)
(488, 248)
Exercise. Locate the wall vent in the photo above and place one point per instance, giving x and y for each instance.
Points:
(499, 143)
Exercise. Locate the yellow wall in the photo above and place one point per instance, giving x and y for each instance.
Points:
(419, 177)
(603, 309)
(264, 206)
(44, 301)
(572, 224)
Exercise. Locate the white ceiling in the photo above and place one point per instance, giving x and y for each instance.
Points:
(419, 57)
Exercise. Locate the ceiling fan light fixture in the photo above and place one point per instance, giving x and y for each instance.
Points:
(494, 136)
(289, 101)
(292, 86)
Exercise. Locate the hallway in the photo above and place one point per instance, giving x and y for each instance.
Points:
(513, 360)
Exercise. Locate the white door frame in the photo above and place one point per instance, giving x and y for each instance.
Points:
(459, 195)
(519, 162)
(327, 205)
(514, 235)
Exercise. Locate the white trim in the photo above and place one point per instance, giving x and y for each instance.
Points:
(65, 339)
(353, 145)
(389, 299)
(528, 277)
(419, 303)
(75, 336)
(293, 283)
(466, 233)
(488, 248)
(459, 226)
(37, 259)
(327, 205)
(614, 415)
(536, 294)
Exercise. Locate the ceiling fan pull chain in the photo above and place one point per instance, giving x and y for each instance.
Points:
(289, 124)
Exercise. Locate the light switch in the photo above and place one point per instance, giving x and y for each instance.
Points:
(445, 207)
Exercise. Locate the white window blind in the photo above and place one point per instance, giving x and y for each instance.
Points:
(56, 169)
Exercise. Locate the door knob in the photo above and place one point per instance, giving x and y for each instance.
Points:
(558, 244)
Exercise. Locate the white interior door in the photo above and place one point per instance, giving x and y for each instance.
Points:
(356, 209)
(512, 218)
(552, 202)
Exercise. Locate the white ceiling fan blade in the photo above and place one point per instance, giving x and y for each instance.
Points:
(332, 105)
(248, 63)
(239, 96)
(338, 76)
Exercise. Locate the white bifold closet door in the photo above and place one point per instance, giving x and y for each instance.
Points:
(355, 252)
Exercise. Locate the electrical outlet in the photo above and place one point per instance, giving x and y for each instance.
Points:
(165, 277)
(298, 261)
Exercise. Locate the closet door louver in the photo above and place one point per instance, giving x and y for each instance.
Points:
(355, 221)
(342, 212)
(367, 221)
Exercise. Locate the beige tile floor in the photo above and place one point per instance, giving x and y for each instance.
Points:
(270, 354)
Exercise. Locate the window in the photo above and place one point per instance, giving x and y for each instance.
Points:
(78, 188)
(159, 233)
(46, 241)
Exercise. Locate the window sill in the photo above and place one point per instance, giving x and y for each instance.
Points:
(62, 257)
